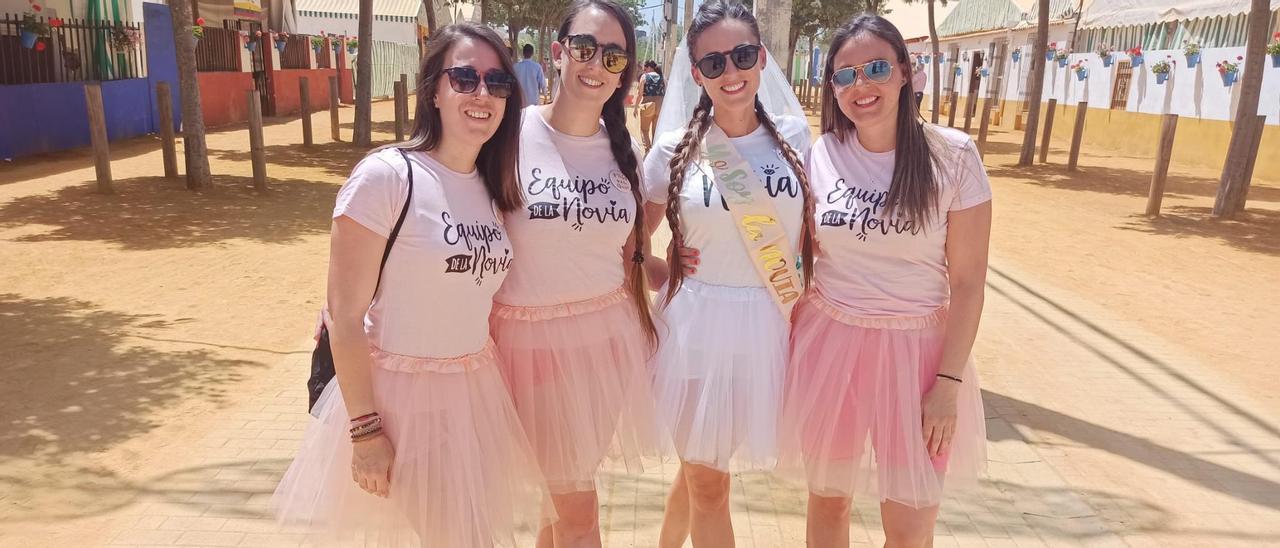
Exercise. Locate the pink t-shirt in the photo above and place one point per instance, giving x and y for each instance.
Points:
(886, 268)
(452, 254)
(577, 215)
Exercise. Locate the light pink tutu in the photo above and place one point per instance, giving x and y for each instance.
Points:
(852, 407)
(463, 474)
(579, 378)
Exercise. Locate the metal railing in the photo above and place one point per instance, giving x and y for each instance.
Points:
(73, 50)
(219, 50)
(296, 54)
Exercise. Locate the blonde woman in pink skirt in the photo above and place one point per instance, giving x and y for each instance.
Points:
(882, 397)
(416, 442)
(572, 319)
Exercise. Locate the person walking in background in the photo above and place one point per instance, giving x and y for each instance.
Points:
(652, 87)
(532, 80)
(918, 81)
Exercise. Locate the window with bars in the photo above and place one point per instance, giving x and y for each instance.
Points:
(1120, 87)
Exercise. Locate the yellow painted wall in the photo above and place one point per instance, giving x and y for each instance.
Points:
(1199, 143)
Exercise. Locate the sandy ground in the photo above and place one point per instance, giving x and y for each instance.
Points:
(134, 322)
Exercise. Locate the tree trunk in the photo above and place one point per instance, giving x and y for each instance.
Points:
(935, 66)
(671, 39)
(774, 17)
(1035, 85)
(431, 16)
(1234, 186)
(364, 76)
(484, 12)
(193, 143)
(791, 55)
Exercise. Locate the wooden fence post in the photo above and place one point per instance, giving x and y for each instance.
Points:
(1048, 130)
(1077, 133)
(256, 150)
(164, 99)
(969, 104)
(1164, 153)
(951, 111)
(398, 89)
(98, 136)
(334, 99)
(304, 95)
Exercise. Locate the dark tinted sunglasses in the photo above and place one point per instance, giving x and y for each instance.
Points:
(877, 71)
(582, 47)
(712, 65)
(467, 80)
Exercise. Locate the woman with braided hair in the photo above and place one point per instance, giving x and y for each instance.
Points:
(572, 320)
(731, 185)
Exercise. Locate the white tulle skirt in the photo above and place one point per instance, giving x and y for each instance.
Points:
(718, 375)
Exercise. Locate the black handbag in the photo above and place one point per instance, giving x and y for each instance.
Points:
(322, 370)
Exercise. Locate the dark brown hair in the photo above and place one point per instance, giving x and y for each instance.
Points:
(914, 187)
(687, 150)
(497, 159)
(614, 116)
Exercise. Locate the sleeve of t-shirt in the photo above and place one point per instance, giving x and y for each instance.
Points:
(657, 170)
(972, 187)
(796, 131)
(373, 195)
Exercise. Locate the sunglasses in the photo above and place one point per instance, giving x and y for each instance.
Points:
(583, 47)
(712, 65)
(467, 80)
(877, 71)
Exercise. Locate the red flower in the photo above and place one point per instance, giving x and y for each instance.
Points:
(55, 22)
(37, 8)
(200, 21)
(40, 45)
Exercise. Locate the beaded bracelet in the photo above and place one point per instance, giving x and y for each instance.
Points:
(375, 423)
(368, 435)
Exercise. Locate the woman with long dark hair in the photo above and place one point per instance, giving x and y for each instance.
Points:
(882, 396)
(417, 442)
(731, 184)
(572, 319)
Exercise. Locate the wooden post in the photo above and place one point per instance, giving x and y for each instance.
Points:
(98, 136)
(969, 104)
(334, 99)
(404, 104)
(164, 98)
(951, 111)
(304, 94)
(256, 150)
(398, 88)
(1048, 130)
(1082, 110)
(993, 95)
(1164, 153)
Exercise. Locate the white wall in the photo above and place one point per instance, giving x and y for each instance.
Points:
(388, 31)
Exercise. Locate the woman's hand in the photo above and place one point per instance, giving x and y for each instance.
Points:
(938, 421)
(371, 465)
(689, 259)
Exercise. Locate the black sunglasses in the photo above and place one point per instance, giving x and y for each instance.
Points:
(467, 80)
(582, 47)
(712, 65)
(877, 71)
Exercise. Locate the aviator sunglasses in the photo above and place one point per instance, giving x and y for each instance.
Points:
(745, 56)
(583, 47)
(877, 71)
(467, 80)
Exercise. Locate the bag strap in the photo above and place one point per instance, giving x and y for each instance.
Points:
(404, 211)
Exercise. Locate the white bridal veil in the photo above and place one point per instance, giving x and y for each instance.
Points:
(682, 92)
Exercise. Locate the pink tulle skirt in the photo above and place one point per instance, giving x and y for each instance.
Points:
(463, 474)
(851, 416)
(578, 375)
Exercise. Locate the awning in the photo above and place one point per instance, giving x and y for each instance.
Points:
(1124, 13)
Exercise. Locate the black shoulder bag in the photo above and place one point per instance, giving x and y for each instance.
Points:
(322, 370)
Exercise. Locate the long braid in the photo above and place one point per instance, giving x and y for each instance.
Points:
(615, 125)
(807, 228)
(687, 150)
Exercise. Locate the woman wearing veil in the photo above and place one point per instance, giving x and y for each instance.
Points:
(725, 170)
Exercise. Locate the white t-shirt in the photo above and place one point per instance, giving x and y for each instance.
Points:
(704, 217)
(577, 216)
(875, 267)
(448, 260)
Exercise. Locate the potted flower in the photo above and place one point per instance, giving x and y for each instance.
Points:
(281, 40)
(1081, 70)
(984, 72)
(250, 40)
(959, 70)
(1135, 55)
(124, 38)
(1061, 56)
(1049, 53)
(1107, 53)
(32, 30)
(1273, 49)
(317, 43)
(1192, 51)
(352, 44)
(1229, 71)
(926, 59)
(197, 31)
(337, 42)
(1017, 55)
(1161, 69)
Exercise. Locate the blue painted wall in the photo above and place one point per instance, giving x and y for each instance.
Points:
(41, 118)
